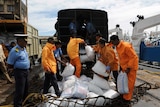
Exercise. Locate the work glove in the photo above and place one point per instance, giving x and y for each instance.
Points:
(107, 68)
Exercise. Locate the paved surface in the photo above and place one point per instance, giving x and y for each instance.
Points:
(6, 90)
(152, 97)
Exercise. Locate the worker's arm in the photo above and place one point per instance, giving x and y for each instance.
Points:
(61, 61)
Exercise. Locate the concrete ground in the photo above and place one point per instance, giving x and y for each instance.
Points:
(7, 90)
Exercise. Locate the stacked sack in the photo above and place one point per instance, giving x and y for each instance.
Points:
(82, 91)
(77, 92)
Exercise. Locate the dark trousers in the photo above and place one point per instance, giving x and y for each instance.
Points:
(21, 86)
(115, 75)
(50, 78)
(59, 68)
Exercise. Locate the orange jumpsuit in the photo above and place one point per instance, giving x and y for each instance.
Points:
(128, 59)
(48, 59)
(96, 47)
(73, 53)
(108, 57)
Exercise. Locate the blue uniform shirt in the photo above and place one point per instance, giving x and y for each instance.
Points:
(58, 52)
(18, 57)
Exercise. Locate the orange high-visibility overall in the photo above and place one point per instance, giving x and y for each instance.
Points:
(108, 57)
(128, 59)
(73, 53)
(48, 59)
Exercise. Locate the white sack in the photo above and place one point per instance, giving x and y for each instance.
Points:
(75, 103)
(68, 84)
(122, 83)
(72, 77)
(85, 78)
(100, 82)
(60, 102)
(90, 52)
(51, 90)
(67, 93)
(100, 68)
(68, 70)
(95, 89)
(99, 101)
(84, 58)
(46, 104)
(111, 94)
(80, 90)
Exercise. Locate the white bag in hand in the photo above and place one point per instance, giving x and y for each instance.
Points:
(122, 83)
(84, 58)
(100, 68)
(68, 70)
(90, 52)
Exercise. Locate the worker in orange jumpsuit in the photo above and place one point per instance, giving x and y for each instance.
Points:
(49, 64)
(96, 46)
(108, 57)
(73, 53)
(128, 60)
(115, 71)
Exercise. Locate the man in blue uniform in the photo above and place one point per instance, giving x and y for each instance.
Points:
(18, 61)
(61, 60)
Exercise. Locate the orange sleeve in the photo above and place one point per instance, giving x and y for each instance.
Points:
(44, 59)
(107, 56)
(110, 57)
(79, 40)
(133, 59)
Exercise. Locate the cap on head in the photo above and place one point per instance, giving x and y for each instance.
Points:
(21, 36)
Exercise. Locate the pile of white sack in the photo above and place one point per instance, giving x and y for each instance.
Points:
(83, 91)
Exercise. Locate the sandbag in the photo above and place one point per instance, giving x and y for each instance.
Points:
(80, 90)
(68, 70)
(90, 52)
(68, 84)
(67, 93)
(94, 88)
(84, 58)
(94, 100)
(122, 83)
(100, 82)
(100, 68)
(111, 94)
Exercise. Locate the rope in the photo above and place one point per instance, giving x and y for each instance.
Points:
(33, 99)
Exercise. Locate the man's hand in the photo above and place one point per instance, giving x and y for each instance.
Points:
(127, 70)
